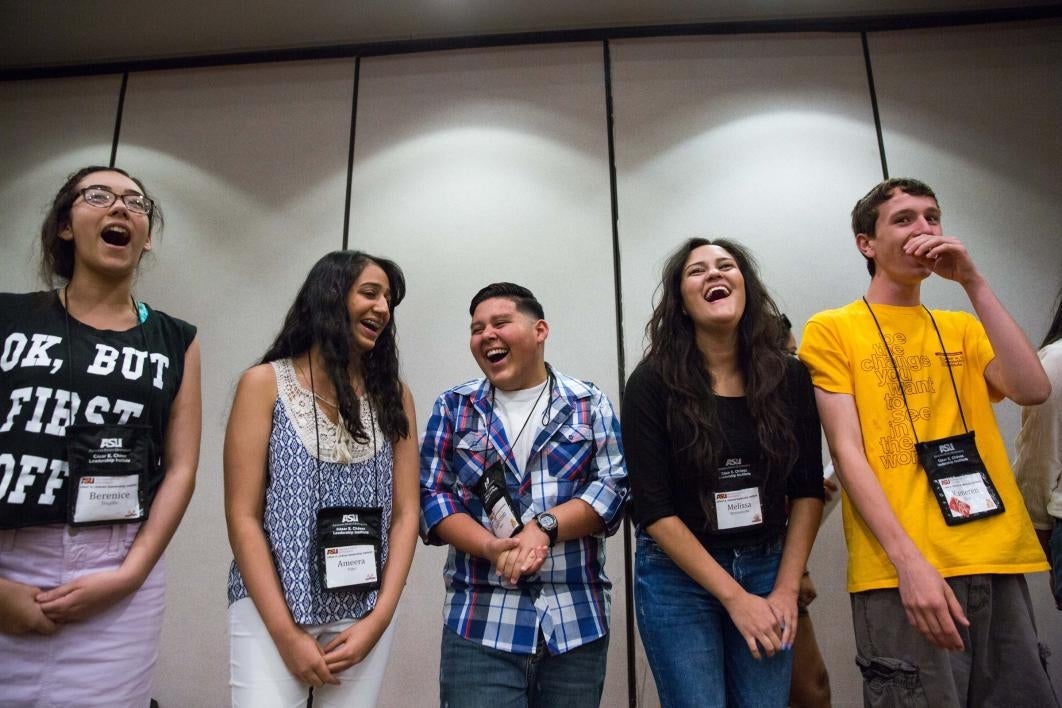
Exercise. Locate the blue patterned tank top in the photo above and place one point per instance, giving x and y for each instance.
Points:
(351, 474)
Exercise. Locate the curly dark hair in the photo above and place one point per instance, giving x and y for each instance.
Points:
(692, 421)
(865, 212)
(319, 315)
(57, 254)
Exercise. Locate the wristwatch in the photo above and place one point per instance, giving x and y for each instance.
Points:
(548, 523)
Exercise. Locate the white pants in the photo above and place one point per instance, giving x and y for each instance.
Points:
(259, 678)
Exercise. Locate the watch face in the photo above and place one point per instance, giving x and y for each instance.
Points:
(547, 521)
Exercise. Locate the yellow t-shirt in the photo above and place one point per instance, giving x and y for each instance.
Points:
(845, 354)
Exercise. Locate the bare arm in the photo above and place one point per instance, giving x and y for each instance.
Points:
(804, 516)
(20, 612)
(94, 593)
(753, 615)
(246, 450)
(353, 645)
(1016, 371)
(929, 602)
(466, 534)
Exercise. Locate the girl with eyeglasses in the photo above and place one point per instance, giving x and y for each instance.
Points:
(322, 494)
(100, 415)
(723, 450)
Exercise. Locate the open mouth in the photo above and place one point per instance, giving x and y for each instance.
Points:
(717, 293)
(496, 354)
(372, 325)
(116, 236)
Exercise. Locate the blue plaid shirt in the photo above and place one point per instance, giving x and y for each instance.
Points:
(577, 455)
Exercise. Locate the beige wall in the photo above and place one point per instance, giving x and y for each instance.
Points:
(480, 165)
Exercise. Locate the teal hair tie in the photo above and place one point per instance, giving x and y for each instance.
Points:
(141, 312)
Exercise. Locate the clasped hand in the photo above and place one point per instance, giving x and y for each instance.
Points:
(768, 623)
(519, 555)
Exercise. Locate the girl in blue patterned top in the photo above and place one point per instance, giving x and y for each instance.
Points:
(321, 493)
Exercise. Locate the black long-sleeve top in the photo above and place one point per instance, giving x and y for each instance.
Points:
(664, 484)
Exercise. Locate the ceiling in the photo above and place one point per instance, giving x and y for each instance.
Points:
(57, 33)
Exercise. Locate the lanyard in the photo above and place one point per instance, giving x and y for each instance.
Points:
(339, 421)
(896, 370)
(70, 353)
(545, 415)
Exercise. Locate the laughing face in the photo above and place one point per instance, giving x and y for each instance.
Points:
(713, 289)
(900, 218)
(508, 344)
(369, 306)
(108, 240)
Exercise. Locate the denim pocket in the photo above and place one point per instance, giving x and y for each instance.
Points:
(891, 682)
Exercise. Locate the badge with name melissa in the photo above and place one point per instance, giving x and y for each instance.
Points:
(961, 485)
(109, 467)
(736, 497)
(348, 547)
(492, 492)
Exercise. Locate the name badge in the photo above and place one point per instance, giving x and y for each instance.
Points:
(109, 469)
(492, 492)
(349, 540)
(108, 498)
(967, 495)
(960, 482)
(738, 508)
(350, 565)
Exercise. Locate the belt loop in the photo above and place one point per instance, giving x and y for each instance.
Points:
(117, 532)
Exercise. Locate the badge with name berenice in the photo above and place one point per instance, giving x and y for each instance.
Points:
(107, 499)
(109, 467)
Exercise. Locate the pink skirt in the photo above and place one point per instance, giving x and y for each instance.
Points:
(106, 660)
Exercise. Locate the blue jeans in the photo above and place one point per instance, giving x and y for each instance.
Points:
(472, 675)
(698, 657)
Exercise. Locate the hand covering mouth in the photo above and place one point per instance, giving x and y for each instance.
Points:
(116, 236)
(717, 293)
(495, 354)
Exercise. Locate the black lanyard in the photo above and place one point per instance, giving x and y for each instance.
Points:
(70, 354)
(545, 415)
(339, 422)
(896, 370)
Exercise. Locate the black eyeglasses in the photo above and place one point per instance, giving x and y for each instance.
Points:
(102, 197)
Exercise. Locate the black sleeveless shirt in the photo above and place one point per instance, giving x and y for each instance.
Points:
(42, 391)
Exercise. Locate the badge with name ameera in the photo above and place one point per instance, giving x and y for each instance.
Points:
(960, 482)
(348, 547)
(350, 565)
(109, 466)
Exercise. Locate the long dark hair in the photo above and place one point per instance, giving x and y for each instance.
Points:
(319, 316)
(57, 254)
(1054, 332)
(692, 420)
